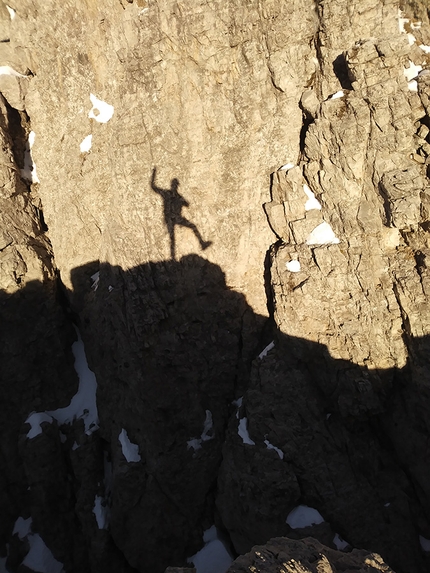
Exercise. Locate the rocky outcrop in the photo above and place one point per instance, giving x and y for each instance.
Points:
(168, 380)
(306, 556)
(349, 284)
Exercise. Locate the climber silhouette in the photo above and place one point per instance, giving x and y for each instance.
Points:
(173, 204)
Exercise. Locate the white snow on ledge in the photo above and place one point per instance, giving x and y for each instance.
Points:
(303, 516)
(207, 434)
(214, 556)
(411, 72)
(286, 167)
(129, 450)
(83, 405)
(293, 266)
(8, 71)
(413, 86)
(312, 202)
(337, 95)
(96, 280)
(29, 172)
(340, 543)
(86, 144)
(322, 235)
(268, 348)
(11, 11)
(35, 420)
(242, 430)
(101, 111)
(101, 512)
(270, 446)
(22, 527)
(39, 557)
(402, 21)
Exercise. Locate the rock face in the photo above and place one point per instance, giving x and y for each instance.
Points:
(353, 244)
(306, 556)
(159, 130)
(168, 381)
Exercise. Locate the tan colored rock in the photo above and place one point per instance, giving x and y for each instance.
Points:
(207, 94)
(305, 556)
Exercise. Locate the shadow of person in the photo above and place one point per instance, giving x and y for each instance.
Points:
(173, 204)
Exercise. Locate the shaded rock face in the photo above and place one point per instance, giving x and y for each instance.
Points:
(154, 127)
(168, 380)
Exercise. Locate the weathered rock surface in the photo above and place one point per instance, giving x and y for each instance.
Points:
(306, 556)
(156, 126)
(350, 363)
(202, 92)
(168, 379)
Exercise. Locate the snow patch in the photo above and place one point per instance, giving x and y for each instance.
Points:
(337, 95)
(266, 350)
(425, 543)
(425, 48)
(413, 86)
(196, 443)
(293, 266)
(414, 25)
(322, 235)
(207, 427)
(312, 202)
(8, 71)
(86, 144)
(40, 558)
(11, 11)
(412, 71)
(238, 402)
(402, 21)
(214, 557)
(29, 172)
(340, 543)
(286, 167)
(129, 450)
(83, 404)
(96, 279)
(22, 527)
(270, 446)
(303, 516)
(101, 512)
(242, 430)
(35, 419)
(101, 111)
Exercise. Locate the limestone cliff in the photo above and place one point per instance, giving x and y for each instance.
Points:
(231, 203)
